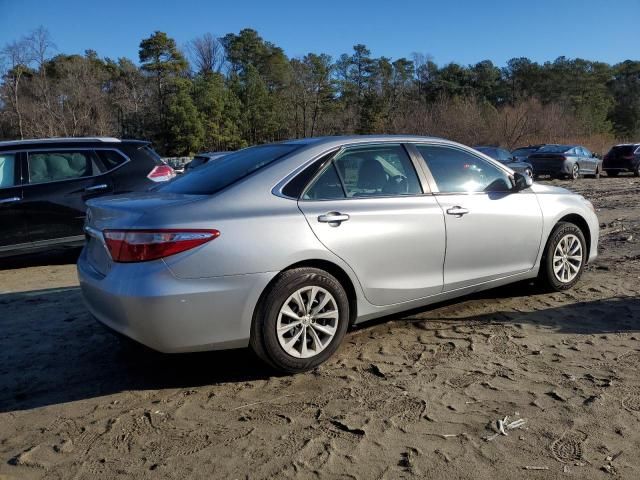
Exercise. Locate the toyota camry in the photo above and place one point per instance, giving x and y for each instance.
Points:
(282, 247)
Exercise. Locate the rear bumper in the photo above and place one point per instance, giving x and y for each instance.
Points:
(552, 168)
(147, 303)
(620, 166)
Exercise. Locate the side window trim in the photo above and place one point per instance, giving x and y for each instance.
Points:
(434, 187)
(25, 155)
(279, 187)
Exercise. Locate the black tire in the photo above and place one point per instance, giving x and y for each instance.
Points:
(546, 276)
(636, 172)
(612, 173)
(264, 340)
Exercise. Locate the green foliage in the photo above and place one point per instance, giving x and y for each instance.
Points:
(264, 96)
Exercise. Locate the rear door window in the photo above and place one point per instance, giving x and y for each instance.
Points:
(60, 165)
(380, 170)
(7, 170)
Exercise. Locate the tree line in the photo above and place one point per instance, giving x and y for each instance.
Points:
(224, 93)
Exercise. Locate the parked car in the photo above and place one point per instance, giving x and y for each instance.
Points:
(506, 158)
(569, 161)
(284, 246)
(522, 153)
(203, 158)
(44, 185)
(177, 165)
(622, 158)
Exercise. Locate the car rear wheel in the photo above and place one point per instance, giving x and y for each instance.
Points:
(612, 173)
(301, 320)
(575, 172)
(636, 172)
(564, 257)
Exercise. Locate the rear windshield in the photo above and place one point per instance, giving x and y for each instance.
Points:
(214, 176)
(623, 149)
(523, 151)
(554, 149)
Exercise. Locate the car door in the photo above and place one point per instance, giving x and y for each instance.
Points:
(368, 206)
(589, 159)
(13, 227)
(492, 231)
(58, 184)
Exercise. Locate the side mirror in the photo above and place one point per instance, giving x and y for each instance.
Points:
(521, 182)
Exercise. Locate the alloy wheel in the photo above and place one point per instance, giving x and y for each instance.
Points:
(575, 172)
(567, 258)
(307, 322)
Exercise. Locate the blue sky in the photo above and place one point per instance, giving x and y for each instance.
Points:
(463, 31)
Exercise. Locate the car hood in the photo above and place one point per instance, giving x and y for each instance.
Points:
(549, 189)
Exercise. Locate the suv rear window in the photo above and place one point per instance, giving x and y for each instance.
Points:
(214, 176)
(623, 150)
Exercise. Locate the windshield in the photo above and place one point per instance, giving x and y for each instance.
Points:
(554, 149)
(490, 151)
(214, 176)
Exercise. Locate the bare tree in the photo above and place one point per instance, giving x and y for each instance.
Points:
(206, 53)
(16, 59)
(40, 46)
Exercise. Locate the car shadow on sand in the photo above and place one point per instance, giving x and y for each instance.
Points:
(52, 351)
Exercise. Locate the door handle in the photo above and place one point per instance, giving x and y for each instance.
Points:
(10, 200)
(333, 218)
(457, 211)
(102, 186)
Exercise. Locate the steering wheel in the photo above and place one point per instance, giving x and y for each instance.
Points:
(399, 183)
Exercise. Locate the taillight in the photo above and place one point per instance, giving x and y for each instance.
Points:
(628, 157)
(145, 245)
(161, 173)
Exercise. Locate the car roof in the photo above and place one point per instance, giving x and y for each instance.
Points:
(67, 142)
(345, 139)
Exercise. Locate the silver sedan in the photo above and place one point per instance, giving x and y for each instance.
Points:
(284, 246)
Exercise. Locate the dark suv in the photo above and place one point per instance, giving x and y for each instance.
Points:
(44, 185)
(622, 158)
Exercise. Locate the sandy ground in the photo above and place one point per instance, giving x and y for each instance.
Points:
(412, 396)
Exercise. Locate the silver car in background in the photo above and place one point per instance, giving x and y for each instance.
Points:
(284, 246)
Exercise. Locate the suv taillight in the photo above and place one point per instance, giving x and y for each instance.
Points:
(145, 245)
(161, 173)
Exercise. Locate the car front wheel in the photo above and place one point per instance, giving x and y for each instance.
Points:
(564, 257)
(301, 320)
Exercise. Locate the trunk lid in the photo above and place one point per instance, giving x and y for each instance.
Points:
(122, 212)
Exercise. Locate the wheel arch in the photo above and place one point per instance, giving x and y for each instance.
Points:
(579, 222)
(338, 272)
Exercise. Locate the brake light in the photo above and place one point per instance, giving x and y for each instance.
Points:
(161, 173)
(145, 245)
(628, 157)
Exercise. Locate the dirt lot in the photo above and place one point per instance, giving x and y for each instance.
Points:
(412, 396)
